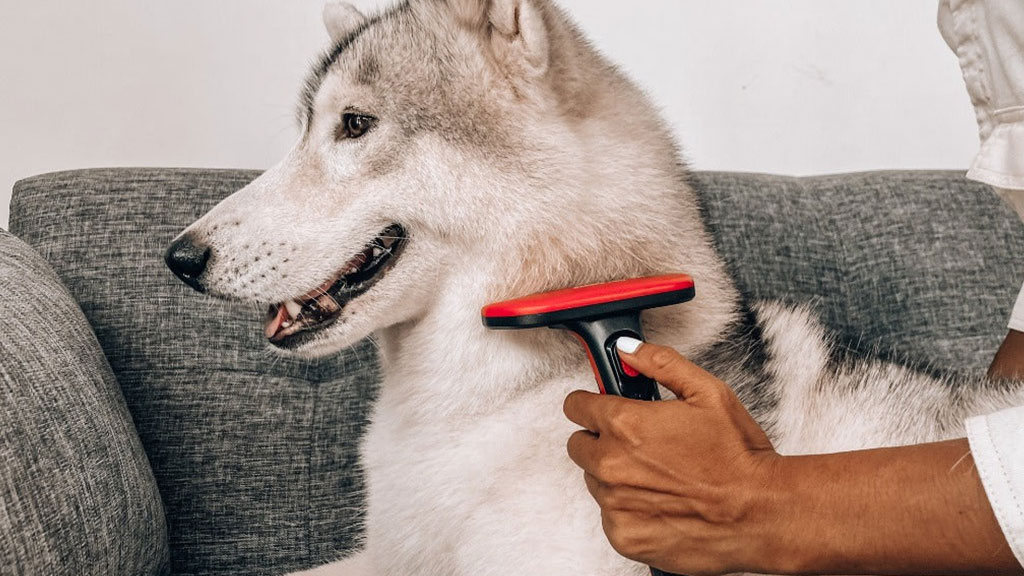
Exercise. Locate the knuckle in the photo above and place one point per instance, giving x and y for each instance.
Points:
(611, 499)
(721, 396)
(626, 424)
(622, 539)
(606, 470)
(625, 419)
(664, 358)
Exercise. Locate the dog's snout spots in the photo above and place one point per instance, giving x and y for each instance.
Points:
(245, 267)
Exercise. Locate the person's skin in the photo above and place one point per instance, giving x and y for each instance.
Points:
(694, 486)
(1009, 361)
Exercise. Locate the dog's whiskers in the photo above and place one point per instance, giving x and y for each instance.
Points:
(329, 295)
(373, 342)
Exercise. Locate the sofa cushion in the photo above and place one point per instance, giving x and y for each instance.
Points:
(255, 454)
(77, 495)
(923, 267)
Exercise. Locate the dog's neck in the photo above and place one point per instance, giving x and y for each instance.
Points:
(447, 364)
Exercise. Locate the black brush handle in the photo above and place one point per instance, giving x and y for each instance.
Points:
(599, 337)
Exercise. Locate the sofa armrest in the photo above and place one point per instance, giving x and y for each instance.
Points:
(77, 495)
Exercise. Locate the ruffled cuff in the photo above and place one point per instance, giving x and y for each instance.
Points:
(997, 444)
(1000, 162)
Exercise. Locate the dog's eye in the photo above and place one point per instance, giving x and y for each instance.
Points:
(354, 126)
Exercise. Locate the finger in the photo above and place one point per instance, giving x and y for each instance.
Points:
(684, 378)
(581, 408)
(640, 501)
(583, 448)
(592, 411)
(593, 486)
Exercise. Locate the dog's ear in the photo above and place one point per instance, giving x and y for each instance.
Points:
(342, 19)
(515, 29)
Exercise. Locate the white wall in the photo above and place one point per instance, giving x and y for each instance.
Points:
(797, 87)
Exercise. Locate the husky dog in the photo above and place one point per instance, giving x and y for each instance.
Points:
(460, 152)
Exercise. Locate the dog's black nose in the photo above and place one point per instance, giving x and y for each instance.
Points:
(187, 259)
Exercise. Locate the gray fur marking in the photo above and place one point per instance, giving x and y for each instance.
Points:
(329, 58)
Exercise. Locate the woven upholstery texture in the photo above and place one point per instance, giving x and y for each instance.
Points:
(923, 267)
(254, 454)
(77, 496)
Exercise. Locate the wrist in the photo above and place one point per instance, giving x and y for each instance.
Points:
(772, 537)
(784, 541)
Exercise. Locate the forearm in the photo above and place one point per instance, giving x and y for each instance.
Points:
(912, 510)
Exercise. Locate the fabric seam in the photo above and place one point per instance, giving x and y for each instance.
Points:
(993, 495)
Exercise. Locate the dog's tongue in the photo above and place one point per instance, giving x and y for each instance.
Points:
(275, 323)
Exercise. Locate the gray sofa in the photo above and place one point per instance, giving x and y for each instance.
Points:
(146, 430)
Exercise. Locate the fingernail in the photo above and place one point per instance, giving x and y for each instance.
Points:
(628, 345)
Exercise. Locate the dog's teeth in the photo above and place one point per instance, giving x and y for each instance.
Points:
(294, 308)
(377, 252)
(286, 325)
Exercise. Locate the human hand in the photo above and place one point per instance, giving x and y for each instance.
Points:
(682, 484)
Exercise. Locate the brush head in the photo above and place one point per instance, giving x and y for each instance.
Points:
(589, 302)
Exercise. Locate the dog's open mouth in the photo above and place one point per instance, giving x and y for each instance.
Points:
(322, 306)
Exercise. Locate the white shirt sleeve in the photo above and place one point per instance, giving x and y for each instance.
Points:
(1017, 317)
(997, 444)
(987, 37)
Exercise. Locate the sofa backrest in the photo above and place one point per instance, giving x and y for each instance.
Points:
(256, 455)
(921, 266)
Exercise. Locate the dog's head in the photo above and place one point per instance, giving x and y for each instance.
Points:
(443, 142)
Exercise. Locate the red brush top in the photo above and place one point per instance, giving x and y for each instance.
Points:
(640, 289)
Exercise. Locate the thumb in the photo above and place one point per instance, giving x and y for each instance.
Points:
(684, 378)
